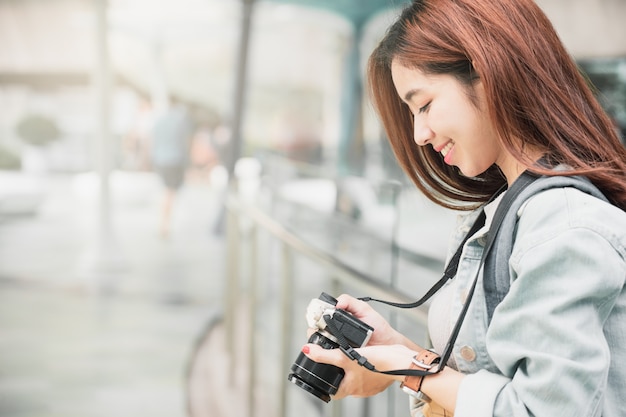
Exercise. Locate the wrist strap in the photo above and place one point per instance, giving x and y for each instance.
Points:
(423, 361)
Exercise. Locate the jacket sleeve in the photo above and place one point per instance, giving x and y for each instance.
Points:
(546, 336)
(415, 407)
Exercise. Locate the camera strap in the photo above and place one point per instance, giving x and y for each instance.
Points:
(525, 179)
(449, 272)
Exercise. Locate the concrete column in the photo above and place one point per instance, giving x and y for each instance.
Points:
(240, 85)
(351, 157)
(103, 262)
(102, 82)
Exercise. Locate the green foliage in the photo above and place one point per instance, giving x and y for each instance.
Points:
(38, 130)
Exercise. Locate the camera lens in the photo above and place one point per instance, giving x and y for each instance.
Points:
(319, 379)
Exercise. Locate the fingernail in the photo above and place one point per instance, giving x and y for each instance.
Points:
(305, 350)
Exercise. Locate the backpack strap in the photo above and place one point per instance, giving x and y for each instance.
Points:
(496, 278)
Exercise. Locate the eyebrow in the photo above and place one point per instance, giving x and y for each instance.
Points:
(409, 94)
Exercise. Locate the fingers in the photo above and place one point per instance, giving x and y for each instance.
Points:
(330, 356)
(358, 381)
(320, 355)
(333, 357)
(351, 304)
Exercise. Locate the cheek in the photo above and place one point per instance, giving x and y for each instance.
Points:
(452, 117)
(438, 120)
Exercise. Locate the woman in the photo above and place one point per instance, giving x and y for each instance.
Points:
(472, 93)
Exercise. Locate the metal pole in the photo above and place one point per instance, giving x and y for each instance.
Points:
(240, 85)
(396, 188)
(232, 282)
(233, 151)
(252, 318)
(287, 325)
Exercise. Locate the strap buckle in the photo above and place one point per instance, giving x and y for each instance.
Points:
(424, 365)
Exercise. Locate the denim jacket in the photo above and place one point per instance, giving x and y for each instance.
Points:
(556, 345)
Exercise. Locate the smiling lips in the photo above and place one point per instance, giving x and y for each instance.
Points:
(445, 149)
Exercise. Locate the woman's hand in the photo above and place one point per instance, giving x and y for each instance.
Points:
(383, 334)
(359, 381)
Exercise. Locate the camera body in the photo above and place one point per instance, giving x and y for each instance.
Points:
(322, 380)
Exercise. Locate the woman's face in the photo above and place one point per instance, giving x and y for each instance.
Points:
(448, 120)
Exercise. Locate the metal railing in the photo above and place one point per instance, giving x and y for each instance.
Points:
(290, 243)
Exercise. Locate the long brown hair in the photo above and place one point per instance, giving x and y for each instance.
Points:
(534, 92)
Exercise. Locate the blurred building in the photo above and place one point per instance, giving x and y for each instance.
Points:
(296, 69)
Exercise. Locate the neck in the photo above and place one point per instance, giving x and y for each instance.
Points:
(513, 168)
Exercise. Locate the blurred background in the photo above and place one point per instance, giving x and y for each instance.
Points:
(179, 178)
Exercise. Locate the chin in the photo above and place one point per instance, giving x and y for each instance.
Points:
(471, 171)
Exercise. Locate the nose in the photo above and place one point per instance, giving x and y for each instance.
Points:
(422, 134)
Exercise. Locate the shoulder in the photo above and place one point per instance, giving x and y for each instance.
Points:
(557, 210)
(565, 232)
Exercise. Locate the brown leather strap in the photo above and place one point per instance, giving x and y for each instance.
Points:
(423, 361)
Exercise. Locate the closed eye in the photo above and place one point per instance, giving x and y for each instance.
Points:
(424, 108)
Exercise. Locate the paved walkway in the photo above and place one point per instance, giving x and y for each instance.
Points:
(89, 330)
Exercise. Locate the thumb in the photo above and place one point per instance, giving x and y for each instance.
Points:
(319, 354)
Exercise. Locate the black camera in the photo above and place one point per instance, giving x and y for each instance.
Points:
(322, 380)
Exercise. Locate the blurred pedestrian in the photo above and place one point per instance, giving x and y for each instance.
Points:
(136, 142)
(170, 147)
